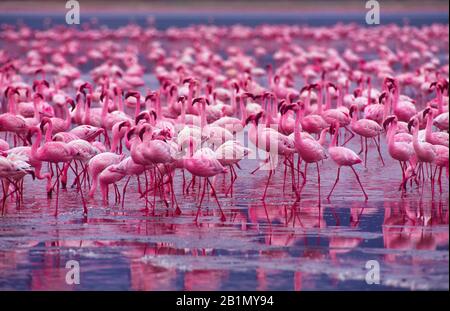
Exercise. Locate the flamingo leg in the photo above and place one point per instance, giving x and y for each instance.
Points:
(124, 189)
(335, 183)
(378, 150)
(267, 185)
(214, 193)
(359, 182)
(201, 200)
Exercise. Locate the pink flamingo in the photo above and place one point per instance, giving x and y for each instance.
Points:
(204, 163)
(52, 152)
(366, 129)
(343, 157)
(398, 150)
(310, 150)
(434, 138)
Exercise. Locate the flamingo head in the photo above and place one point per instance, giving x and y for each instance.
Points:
(84, 86)
(426, 111)
(37, 83)
(143, 116)
(382, 96)
(131, 132)
(124, 124)
(44, 121)
(352, 109)
(201, 99)
(412, 123)
(281, 105)
(71, 102)
(134, 94)
(145, 128)
(388, 121)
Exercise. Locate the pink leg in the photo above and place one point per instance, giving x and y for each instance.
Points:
(201, 200)
(222, 217)
(335, 183)
(318, 180)
(267, 185)
(359, 182)
(124, 189)
(366, 149)
(378, 149)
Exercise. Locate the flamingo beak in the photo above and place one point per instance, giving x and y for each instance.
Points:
(426, 111)
(388, 121)
(410, 125)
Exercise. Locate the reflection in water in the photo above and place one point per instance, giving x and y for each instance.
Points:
(277, 245)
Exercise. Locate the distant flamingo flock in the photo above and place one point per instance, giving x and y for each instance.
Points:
(91, 108)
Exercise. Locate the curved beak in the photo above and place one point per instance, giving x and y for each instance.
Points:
(410, 124)
(388, 121)
(426, 111)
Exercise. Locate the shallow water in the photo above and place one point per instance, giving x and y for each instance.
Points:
(279, 244)
(276, 245)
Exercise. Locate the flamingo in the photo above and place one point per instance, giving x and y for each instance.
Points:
(343, 156)
(52, 152)
(365, 128)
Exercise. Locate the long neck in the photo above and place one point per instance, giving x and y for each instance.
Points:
(439, 101)
(233, 99)
(340, 95)
(428, 129)
(327, 98)
(297, 136)
(137, 108)
(105, 108)
(12, 104)
(323, 136)
(49, 132)
(308, 101)
(334, 140)
(68, 120)
(202, 115)
(36, 109)
(36, 144)
(183, 112)
(87, 116)
(319, 102)
(243, 111)
(78, 111)
(120, 101)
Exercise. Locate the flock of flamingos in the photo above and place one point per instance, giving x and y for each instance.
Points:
(299, 94)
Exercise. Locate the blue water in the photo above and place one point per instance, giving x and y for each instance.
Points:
(166, 20)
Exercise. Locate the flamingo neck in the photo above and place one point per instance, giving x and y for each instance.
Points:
(298, 116)
(49, 132)
(36, 109)
(429, 126)
(120, 101)
(319, 102)
(12, 104)
(68, 120)
(137, 108)
(87, 116)
(183, 112)
(243, 110)
(323, 136)
(202, 115)
(36, 144)
(439, 102)
(334, 140)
